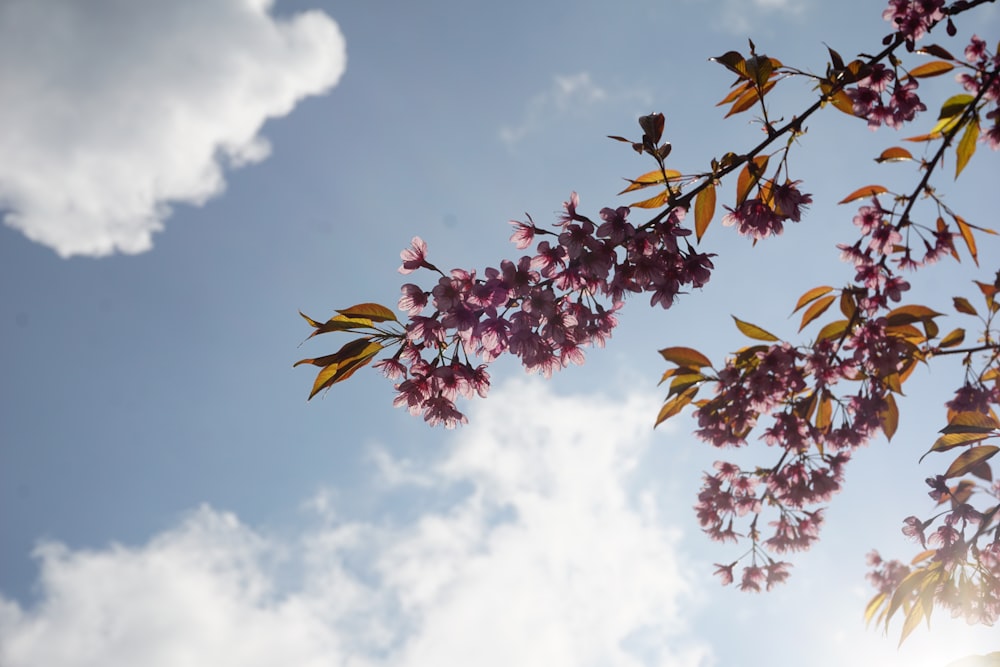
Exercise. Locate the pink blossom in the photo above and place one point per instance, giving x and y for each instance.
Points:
(415, 256)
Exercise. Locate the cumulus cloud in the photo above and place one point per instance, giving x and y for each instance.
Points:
(114, 110)
(551, 556)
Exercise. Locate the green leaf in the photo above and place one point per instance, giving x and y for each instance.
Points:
(969, 459)
(704, 209)
(685, 356)
(966, 146)
(754, 331)
(954, 106)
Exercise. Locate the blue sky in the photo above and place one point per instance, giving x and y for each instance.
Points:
(180, 178)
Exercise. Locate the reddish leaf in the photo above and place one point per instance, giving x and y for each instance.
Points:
(816, 309)
(863, 193)
(969, 459)
(685, 356)
(933, 68)
(754, 331)
(894, 154)
(748, 99)
(704, 209)
(812, 295)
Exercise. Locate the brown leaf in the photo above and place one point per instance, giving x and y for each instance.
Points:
(704, 209)
(863, 193)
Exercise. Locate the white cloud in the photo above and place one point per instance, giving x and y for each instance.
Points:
(552, 558)
(567, 94)
(114, 110)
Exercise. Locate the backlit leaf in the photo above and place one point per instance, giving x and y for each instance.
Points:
(734, 62)
(863, 193)
(654, 177)
(969, 459)
(704, 209)
(913, 618)
(971, 422)
(371, 311)
(685, 356)
(748, 99)
(954, 338)
(970, 241)
(966, 145)
(681, 383)
(894, 154)
(749, 176)
(653, 202)
(675, 405)
(904, 591)
(816, 309)
(954, 106)
(933, 68)
(873, 606)
(952, 440)
(812, 295)
(344, 363)
(935, 50)
(754, 331)
(832, 330)
(909, 314)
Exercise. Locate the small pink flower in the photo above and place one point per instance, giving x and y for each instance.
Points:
(414, 257)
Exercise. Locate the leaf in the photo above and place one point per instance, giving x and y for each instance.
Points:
(753, 331)
(832, 330)
(824, 411)
(903, 592)
(954, 106)
(954, 338)
(685, 356)
(749, 98)
(734, 62)
(952, 440)
(816, 309)
(910, 314)
(970, 242)
(969, 459)
(933, 68)
(683, 382)
(675, 405)
(913, 618)
(862, 193)
(966, 145)
(352, 356)
(749, 176)
(971, 422)
(371, 311)
(654, 177)
(935, 50)
(873, 606)
(653, 202)
(704, 209)
(812, 295)
(341, 323)
(962, 305)
(894, 154)
(889, 417)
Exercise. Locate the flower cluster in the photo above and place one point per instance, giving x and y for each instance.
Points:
(871, 102)
(984, 67)
(759, 218)
(542, 308)
(913, 18)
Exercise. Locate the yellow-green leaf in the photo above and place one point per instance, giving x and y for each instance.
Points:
(952, 440)
(754, 331)
(685, 356)
(966, 145)
(933, 68)
(913, 618)
(971, 422)
(704, 209)
(863, 193)
(371, 311)
(832, 330)
(910, 314)
(969, 459)
(812, 295)
(816, 309)
(873, 606)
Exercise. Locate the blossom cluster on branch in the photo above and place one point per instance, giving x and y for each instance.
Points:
(813, 404)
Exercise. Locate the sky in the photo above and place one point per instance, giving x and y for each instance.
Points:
(179, 179)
